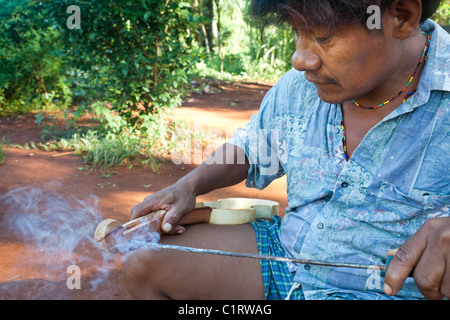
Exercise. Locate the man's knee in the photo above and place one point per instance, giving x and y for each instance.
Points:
(141, 269)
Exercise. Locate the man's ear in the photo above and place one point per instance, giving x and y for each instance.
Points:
(405, 15)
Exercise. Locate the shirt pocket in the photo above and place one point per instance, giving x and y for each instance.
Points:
(408, 205)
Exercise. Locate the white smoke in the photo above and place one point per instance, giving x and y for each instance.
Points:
(57, 233)
(49, 221)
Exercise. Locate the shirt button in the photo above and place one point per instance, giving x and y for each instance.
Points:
(344, 184)
(337, 131)
(320, 225)
(307, 267)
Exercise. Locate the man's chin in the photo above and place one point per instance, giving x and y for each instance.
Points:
(330, 98)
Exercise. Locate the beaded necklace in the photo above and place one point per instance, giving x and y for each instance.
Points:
(422, 58)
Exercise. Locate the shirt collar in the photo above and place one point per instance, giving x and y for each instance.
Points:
(436, 73)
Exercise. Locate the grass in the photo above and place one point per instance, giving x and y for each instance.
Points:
(3, 150)
(106, 140)
(107, 149)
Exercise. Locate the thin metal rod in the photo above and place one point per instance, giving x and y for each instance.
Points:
(265, 257)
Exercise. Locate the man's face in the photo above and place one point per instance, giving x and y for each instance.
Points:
(349, 64)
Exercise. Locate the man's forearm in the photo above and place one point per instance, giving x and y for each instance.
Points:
(230, 167)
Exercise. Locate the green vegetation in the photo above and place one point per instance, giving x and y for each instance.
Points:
(442, 15)
(128, 65)
(3, 148)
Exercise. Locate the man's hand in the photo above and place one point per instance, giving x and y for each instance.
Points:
(180, 198)
(177, 200)
(428, 250)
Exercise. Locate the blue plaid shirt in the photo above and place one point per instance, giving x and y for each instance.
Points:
(354, 211)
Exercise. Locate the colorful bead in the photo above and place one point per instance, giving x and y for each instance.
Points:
(422, 58)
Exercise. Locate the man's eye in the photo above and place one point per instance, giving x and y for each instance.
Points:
(323, 39)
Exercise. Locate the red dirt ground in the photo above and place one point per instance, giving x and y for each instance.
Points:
(28, 271)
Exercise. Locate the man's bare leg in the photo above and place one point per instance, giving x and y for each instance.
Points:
(170, 274)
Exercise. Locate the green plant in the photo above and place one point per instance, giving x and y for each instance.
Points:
(243, 47)
(265, 67)
(32, 71)
(132, 54)
(3, 149)
(110, 151)
(442, 14)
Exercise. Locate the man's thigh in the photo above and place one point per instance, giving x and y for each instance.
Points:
(185, 275)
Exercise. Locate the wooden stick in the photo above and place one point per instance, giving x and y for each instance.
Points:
(136, 244)
(64, 154)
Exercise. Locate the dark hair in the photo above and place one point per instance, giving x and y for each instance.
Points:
(326, 13)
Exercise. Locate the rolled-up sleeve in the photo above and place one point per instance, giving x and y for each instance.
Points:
(260, 141)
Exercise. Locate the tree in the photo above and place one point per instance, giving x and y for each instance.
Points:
(136, 54)
(206, 12)
(32, 71)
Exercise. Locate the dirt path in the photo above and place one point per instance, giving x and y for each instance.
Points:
(46, 186)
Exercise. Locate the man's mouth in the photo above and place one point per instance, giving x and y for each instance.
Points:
(320, 81)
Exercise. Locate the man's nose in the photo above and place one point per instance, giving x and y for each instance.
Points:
(304, 59)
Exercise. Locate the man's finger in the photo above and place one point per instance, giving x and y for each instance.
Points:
(402, 263)
(445, 285)
(170, 220)
(143, 208)
(429, 274)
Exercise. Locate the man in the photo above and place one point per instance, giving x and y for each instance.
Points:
(360, 128)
